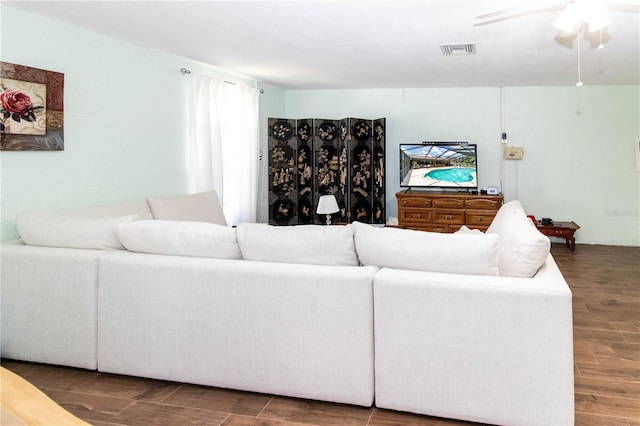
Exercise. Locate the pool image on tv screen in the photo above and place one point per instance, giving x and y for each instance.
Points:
(438, 165)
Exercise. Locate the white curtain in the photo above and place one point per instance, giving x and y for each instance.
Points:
(224, 145)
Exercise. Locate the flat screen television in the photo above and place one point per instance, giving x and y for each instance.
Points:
(439, 165)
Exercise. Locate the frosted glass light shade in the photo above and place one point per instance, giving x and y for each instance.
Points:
(568, 19)
(598, 17)
(591, 12)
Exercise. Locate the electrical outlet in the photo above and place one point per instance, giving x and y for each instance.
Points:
(513, 153)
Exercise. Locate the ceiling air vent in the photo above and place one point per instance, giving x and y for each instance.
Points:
(458, 49)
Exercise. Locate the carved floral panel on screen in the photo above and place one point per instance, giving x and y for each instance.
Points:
(342, 197)
(327, 164)
(31, 109)
(361, 196)
(304, 129)
(378, 171)
(282, 172)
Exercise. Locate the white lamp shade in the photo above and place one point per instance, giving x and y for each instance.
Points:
(327, 204)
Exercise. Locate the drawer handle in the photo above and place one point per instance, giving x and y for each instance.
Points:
(417, 216)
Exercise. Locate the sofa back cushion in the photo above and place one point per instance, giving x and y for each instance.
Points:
(427, 251)
(309, 244)
(139, 208)
(199, 207)
(199, 239)
(60, 230)
(523, 249)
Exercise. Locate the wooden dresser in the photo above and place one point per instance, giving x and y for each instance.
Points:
(446, 211)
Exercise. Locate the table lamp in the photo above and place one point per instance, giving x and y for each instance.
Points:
(328, 205)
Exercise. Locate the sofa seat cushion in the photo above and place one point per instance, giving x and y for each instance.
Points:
(427, 251)
(167, 237)
(523, 249)
(60, 230)
(309, 244)
(199, 207)
(299, 330)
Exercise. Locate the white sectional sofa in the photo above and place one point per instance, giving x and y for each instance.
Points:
(469, 326)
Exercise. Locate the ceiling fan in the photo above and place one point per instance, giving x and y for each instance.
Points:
(575, 13)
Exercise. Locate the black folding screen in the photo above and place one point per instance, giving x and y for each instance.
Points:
(313, 157)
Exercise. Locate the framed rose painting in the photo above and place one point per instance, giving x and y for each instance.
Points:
(31, 109)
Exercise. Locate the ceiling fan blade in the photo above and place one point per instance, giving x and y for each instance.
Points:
(507, 11)
(630, 6)
(623, 2)
(526, 9)
(520, 14)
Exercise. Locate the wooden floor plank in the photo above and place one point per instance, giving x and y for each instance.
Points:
(315, 412)
(607, 387)
(142, 413)
(223, 400)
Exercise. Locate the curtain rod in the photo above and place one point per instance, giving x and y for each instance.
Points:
(185, 71)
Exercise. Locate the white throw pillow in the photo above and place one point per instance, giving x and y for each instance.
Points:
(58, 230)
(466, 230)
(307, 244)
(197, 239)
(199, 207)
(507, 209)
(427, 251)
(523, 249)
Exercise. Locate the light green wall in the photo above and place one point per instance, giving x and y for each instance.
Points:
(580, 147)
(414, 115)
(126, 119)
(580, 144)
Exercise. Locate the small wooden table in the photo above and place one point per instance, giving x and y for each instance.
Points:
(562, 230)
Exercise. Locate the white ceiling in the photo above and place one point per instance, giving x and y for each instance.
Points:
(367, 44)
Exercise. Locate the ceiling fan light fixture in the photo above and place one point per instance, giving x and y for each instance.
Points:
(591, 12)
(568, 20)
(597, 16)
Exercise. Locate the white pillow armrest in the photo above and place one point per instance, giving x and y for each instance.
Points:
(59, 230)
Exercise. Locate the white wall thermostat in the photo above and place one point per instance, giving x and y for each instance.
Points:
(493, 190)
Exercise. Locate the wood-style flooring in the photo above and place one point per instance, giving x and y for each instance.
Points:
(605, 282)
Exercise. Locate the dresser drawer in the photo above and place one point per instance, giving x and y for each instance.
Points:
(428, 227)
(557, 232)
(448, 203)
(482, 204)
(448, 217)
(415, 215)
(414, 202)
(480, 218)
(444, 229)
